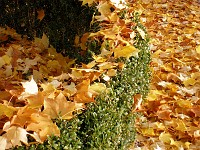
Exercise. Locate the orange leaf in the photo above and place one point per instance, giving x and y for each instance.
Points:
(42, 124)
(59, 107)
(83, 94)
(196, 110)
(36, 101)
(164, 114)
(23, 116)
(15, 135)
(41, 14)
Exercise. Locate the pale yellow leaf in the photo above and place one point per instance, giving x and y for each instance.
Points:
(30, 86)
(141, 32)
(98, 87)
(3, 143)
(70, 89)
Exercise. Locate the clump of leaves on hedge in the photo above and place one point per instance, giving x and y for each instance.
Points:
(108, 123)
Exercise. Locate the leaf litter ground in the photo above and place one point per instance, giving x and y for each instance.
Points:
(171, 111)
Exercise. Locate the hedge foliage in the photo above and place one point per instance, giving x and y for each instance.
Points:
(108, 123)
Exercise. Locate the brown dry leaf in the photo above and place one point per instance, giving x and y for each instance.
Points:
(84, 39)
(42, 43)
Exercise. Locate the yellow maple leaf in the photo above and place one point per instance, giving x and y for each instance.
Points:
(7, 59)
(148, 131)
(111, 72)
(7, 110)
(180, 125)
(198, 49)
(107, 65)
(89, 2)
(165, 137)
(126, 51)
(184, 103)
(189, 81)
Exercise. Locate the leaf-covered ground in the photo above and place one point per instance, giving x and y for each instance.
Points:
(39, 85)
(172, 110)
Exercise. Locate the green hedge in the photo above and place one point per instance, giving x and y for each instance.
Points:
(108, 123)
(64, 19)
